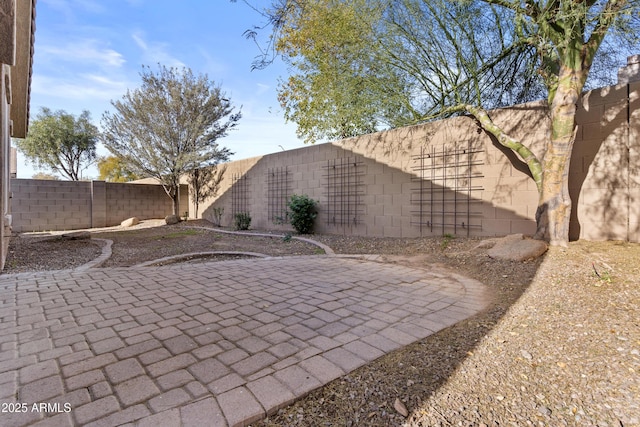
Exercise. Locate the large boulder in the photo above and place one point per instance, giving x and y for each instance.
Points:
(130, 222)
(516, 247)
(172, 219)
(486, 244)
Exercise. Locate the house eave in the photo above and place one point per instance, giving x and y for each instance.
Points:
(22, 69)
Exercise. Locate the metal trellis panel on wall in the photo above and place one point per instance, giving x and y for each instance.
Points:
(445, 184)
(239, 193)
(279, 183)
(344, 191)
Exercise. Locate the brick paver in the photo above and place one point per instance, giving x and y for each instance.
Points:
(208, 344)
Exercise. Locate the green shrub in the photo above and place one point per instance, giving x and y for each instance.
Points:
(446, 239)
(302, 213)
(242, 220)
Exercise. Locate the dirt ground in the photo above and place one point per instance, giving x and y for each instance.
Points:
(558, 345)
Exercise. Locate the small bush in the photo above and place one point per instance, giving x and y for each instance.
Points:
(242, 220)
(446, 239)
(302, 213)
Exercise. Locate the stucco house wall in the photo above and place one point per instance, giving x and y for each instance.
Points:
(17, 27)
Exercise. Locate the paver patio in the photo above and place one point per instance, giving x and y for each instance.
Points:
(216, 344)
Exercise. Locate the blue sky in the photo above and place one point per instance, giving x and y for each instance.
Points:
(89, 52)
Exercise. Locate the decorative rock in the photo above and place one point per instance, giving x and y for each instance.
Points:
(516, 248)
(399, 406)
(130, 222)
(544, 410)
(78, 235)
(172, 219)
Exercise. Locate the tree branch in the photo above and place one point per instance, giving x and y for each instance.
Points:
(532, 162)
(605, 19)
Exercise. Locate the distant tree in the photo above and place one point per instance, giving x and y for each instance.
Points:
(170, 126)
(44, 175)
(61, 142)
(334, 92)
(112, 169)
(204, 183)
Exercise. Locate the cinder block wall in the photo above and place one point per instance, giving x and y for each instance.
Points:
(605, 173)
(419, 181)
(124, 200)
(383, 195)
(44, 205)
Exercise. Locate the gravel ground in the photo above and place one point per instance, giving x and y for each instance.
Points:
(558, 345)
(146, 244)
(48, 253)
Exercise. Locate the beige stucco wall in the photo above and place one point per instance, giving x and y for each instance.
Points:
(604, 176)
(605, 173)
(5, 162)
(16, 53)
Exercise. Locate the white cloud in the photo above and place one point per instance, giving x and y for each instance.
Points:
(69, 8)
(88, 87)
(262, 88)
(85, 52)
(213, 67)
(155, 52)
(137, 37)
(104, 81)
(92, 6)
(79, 69)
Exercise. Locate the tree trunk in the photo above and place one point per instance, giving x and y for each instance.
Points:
(173, 191)
(554, 206)
(176, 201)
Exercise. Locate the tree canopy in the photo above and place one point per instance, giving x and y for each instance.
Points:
(45, 176)
(111, 168)
(169, 126)
(61, 142)
(369, 64)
